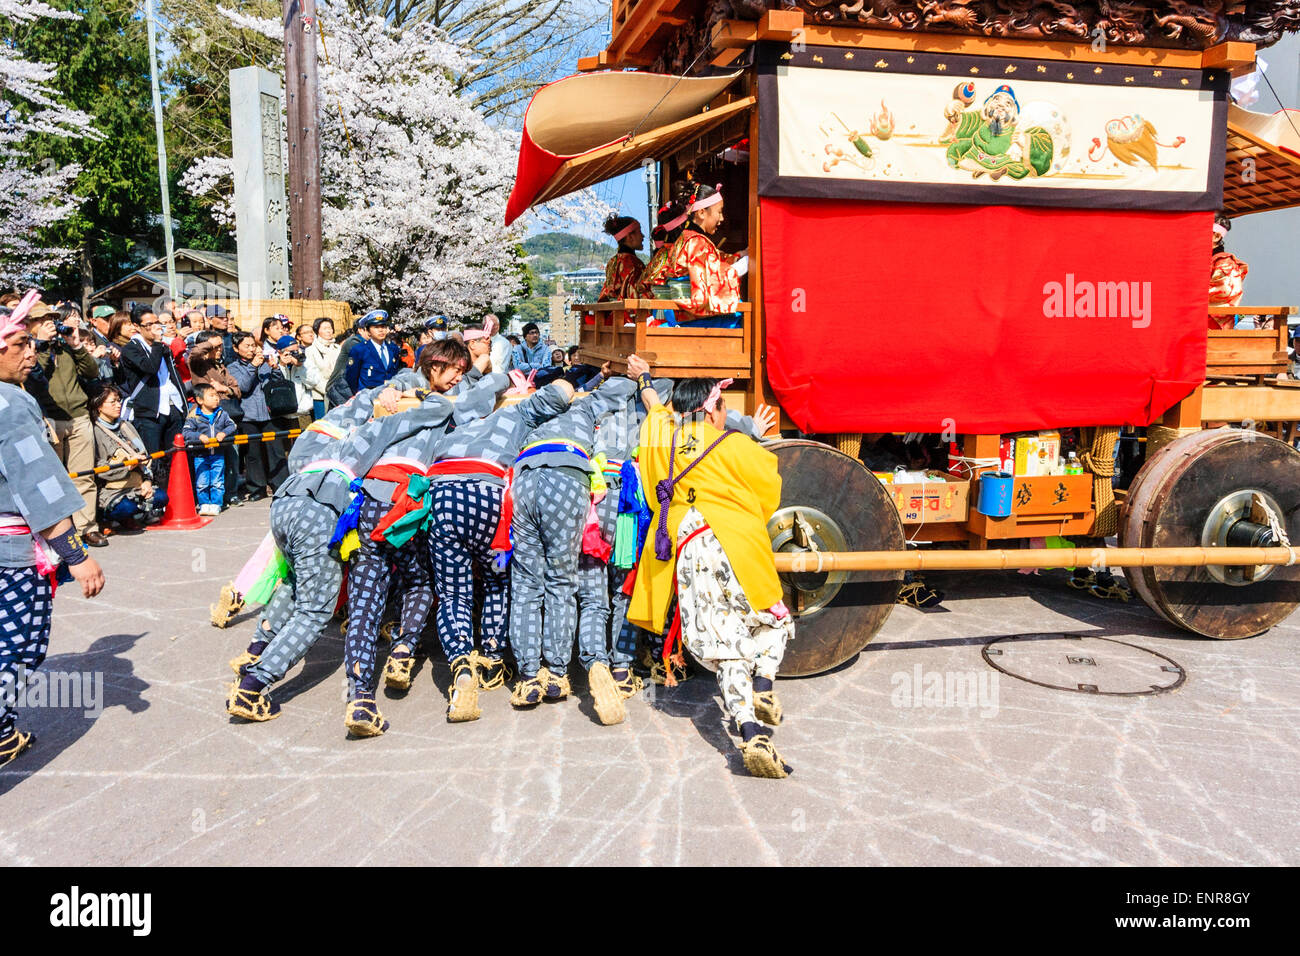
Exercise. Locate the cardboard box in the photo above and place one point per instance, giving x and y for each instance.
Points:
(932, 501)
(1007, 454)
(1036, 454)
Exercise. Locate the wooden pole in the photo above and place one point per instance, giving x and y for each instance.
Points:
(812, 562)
(302, 111)
(311, 281)
(293, 123)
(172, 292)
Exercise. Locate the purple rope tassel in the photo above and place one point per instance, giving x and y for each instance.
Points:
(663, 545)
(664, 492)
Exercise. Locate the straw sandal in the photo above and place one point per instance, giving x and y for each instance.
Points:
(1100, 584)
(399, 667)
(363, 718)
(13, 745)
(245, 659)
(463, 692)
(388, 632)
(493, 672)
(528, 692)
(605, 695)
(1107, 588)
(659, 674)
(555, 686)
(251, 705)
(918, 594)
(767, 707)
(762, 760)
(629, 685)
(228, 605)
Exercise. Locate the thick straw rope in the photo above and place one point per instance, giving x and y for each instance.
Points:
(1160, 435)
(849, 443)
(1099, 460)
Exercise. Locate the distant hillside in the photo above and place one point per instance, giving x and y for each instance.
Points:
(561, 252)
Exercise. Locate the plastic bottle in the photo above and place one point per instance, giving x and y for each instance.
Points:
(1072, 465)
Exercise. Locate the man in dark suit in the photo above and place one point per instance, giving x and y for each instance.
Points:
(156, 395)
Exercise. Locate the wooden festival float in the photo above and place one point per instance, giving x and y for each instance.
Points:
(974, 217)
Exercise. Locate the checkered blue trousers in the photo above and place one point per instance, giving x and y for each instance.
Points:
(302, 606)
(26, 612)
(603, 631)
(465, 515)
(368, 581)
(550, 510)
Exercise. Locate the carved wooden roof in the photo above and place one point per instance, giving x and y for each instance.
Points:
(669, 33)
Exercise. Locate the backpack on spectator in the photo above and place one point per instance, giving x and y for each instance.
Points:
(281, 396)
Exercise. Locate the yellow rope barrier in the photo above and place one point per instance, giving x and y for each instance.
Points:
(207, 443)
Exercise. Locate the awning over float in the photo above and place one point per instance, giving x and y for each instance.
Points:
(1263, 167)
(587, 128)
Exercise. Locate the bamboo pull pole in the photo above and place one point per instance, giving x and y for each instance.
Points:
(812, 562)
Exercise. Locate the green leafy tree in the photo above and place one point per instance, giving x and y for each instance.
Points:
(102, 63)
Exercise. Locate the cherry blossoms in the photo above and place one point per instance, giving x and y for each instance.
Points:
(413, 180)
(33, 196)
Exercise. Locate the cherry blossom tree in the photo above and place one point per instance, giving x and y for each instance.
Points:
(414, 180)
(33, 196)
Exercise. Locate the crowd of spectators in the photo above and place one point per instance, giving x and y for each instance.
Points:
(119, 385)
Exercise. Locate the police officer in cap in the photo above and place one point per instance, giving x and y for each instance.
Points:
(373, 362)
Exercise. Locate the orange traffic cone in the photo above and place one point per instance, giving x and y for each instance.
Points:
(180, 514)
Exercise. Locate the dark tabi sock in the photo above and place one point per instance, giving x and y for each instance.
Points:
(251, 683)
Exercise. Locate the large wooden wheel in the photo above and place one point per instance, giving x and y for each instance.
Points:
(1214, 488)
(829, 502)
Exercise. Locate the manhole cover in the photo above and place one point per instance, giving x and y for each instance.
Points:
(1087, 665)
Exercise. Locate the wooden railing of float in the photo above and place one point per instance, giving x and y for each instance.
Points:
(611, 331)
(1248, 354)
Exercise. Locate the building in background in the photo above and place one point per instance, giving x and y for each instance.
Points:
(199, 275)
(565, 323)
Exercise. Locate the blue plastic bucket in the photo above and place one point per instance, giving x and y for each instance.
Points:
(995, 494)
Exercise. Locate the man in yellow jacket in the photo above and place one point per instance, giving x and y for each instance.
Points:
(711, 492)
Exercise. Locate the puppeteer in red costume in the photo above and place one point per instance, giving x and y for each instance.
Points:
(623, 271)
(715, 282)
(1227, 276)
(669, 222)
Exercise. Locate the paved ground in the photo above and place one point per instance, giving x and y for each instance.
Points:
(1205, 774)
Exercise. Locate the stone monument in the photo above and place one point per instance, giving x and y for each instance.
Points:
(261, 211)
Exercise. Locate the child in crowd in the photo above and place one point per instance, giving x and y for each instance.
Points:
(208, 420)
(127, 496)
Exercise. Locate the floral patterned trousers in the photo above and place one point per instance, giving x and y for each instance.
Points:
(719, 627)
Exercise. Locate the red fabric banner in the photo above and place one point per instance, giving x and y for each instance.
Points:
(980, 319)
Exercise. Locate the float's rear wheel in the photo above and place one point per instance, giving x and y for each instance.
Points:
(1216, 488)
(830, 502)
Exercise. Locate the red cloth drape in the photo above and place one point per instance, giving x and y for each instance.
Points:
(925, 317)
